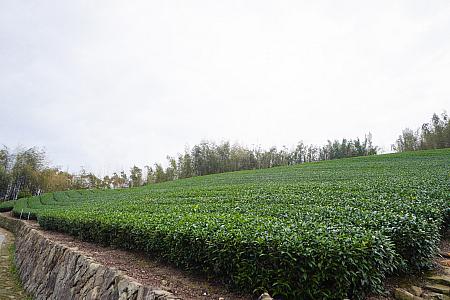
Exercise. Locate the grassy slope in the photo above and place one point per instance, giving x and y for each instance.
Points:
(288, 229)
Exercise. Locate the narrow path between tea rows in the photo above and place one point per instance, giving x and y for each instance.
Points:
(9, 287)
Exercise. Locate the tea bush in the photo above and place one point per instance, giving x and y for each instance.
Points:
(326, 230)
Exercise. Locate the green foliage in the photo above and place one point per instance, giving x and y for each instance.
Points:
(7, 205)
(24, 172)
(433, 135)
(136, 176)
(325, 230)
(210, 158)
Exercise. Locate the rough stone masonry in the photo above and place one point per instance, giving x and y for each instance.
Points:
(50, 270)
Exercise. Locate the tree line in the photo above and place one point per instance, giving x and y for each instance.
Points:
(211, 158)
(431, 135)
(25, 172)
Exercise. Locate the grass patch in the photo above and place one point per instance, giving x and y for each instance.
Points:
(13, 270)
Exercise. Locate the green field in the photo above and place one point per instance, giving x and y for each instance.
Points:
(332, 229)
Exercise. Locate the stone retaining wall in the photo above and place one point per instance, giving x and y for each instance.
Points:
(50, 270)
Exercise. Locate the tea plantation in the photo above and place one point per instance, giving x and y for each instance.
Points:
(325, 230)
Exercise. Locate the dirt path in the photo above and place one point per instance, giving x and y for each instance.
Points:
(9, 287)
(146, 270)
(190, 286)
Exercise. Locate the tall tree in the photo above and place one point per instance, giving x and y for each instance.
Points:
(25, 173)
(433, 135)
(160, 175)
(124, 180)
(150, 175)
(136, 176)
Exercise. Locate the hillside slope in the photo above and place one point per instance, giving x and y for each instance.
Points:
(326, 230)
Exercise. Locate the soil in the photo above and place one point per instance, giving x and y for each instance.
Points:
(187, 285)
(148, 271)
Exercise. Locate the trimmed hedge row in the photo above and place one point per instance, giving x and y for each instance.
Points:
(7, 205)
(327, 230)
(301, 263)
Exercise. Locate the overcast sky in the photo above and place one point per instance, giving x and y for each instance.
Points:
(109, 84)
